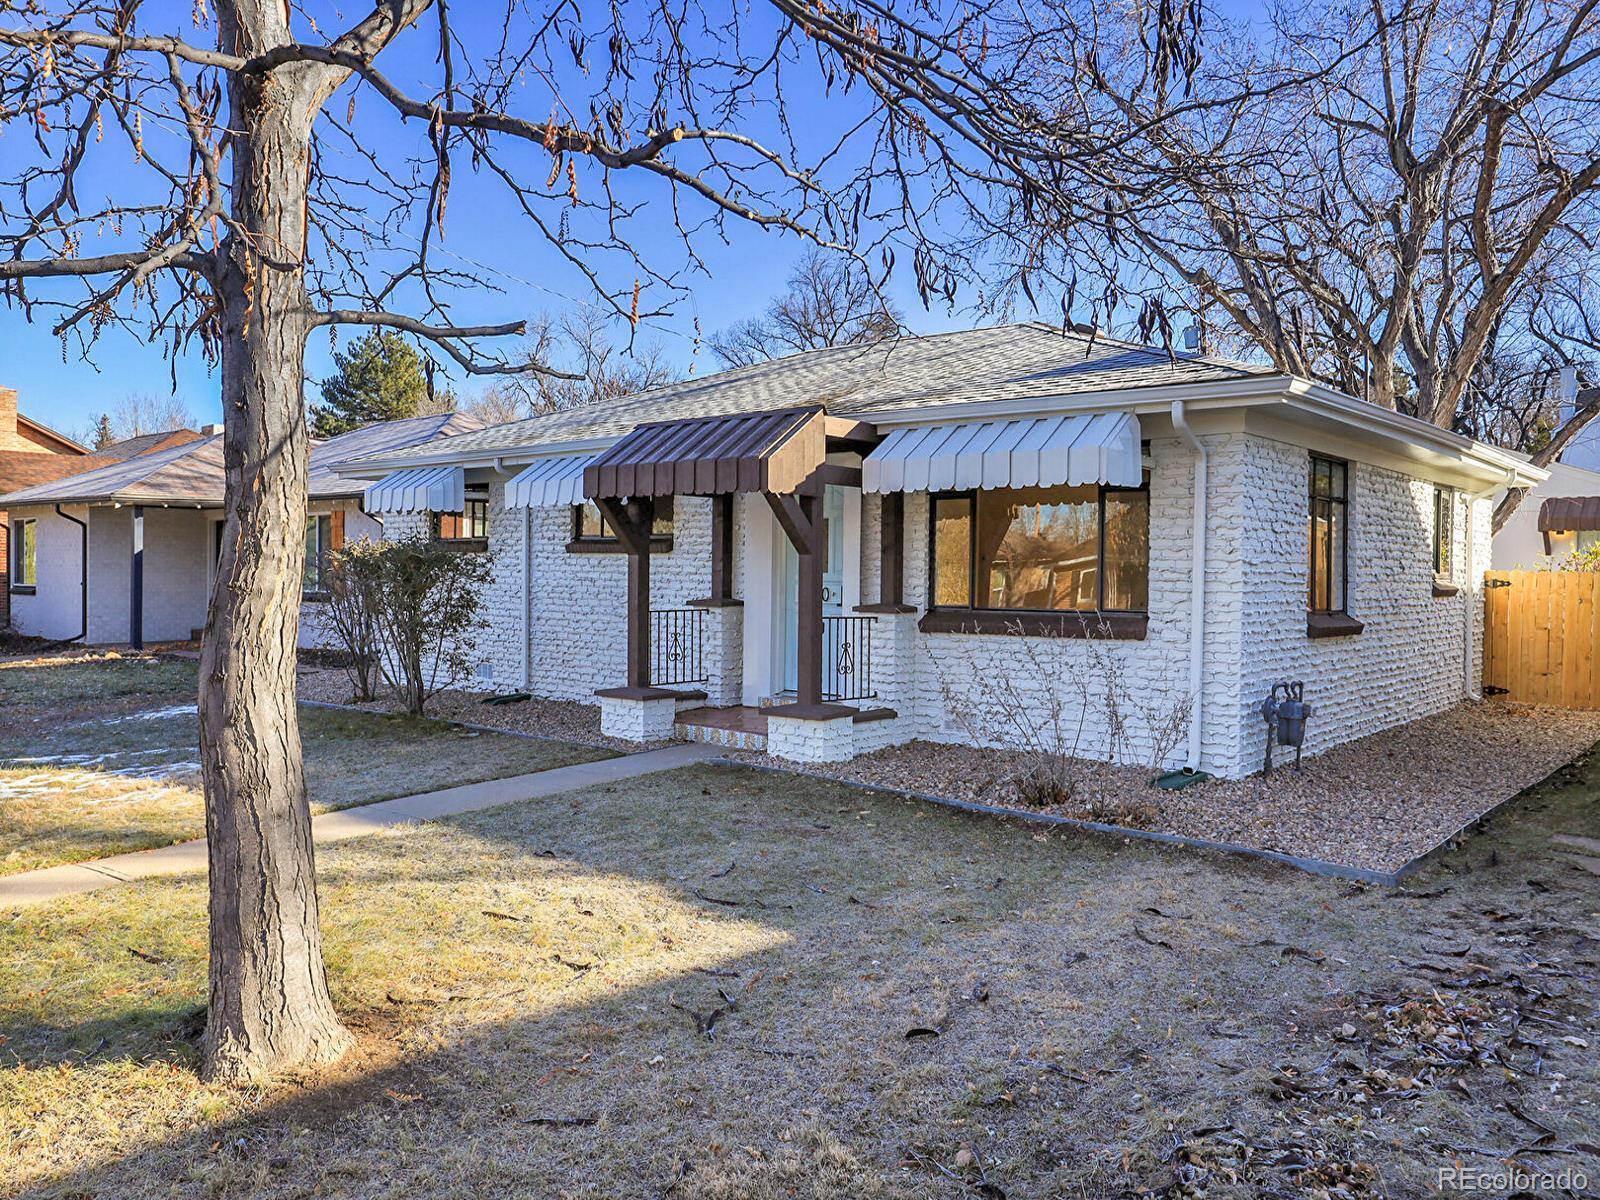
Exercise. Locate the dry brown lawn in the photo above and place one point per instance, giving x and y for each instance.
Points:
(718, 983)
(122, 773)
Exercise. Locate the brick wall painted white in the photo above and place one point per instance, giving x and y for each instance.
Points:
(941, 687)
(576, 605)
(1406, 664)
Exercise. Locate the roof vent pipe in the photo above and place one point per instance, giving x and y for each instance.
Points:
(1197, 585)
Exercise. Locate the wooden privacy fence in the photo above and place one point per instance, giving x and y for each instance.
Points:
(1541, 636)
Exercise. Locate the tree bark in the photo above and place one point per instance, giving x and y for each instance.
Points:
(269, 1000)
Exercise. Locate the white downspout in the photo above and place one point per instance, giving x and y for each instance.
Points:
(1197, 586)
(527, 599)
(1469, 608)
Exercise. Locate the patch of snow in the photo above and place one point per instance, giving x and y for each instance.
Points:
(155, 714)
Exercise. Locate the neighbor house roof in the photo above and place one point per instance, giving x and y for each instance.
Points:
(1031, 361)
(61, 440)
(378, 439)
(25, 469)
(192, 473)
(145, 442)
(1002, 372)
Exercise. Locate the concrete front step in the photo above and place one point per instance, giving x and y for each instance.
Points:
(735, 739)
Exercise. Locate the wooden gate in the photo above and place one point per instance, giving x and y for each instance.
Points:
(1541, 637)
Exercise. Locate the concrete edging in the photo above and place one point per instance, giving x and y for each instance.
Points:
(1315, 866)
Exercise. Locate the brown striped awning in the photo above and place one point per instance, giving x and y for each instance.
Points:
(707, 456)
(1561, 514)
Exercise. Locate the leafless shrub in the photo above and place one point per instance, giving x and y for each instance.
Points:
(350, 616)
(425, 604)
(1065, 706)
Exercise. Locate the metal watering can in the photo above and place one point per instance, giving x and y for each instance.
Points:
(1285, 711)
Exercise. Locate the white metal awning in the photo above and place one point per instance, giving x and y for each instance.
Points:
(419, 489)
(1033, 452)
(549, 482)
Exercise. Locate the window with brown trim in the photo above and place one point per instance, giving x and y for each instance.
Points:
(1328, 536)
(471, 524)
(1444, 531)
(1054, 549)
(319, 540)
(589, 526)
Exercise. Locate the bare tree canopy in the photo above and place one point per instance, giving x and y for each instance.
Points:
(828, 301)
(139, 413)
(595, 367)
(232, 178)
(1397, 197)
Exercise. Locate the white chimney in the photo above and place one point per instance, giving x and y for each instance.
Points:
(1567, 392)
(211, 430)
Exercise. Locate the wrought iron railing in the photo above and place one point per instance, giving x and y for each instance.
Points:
(677, 646)
(847, 658)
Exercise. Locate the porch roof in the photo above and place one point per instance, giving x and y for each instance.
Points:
(1561, 514)
(1032, 452)
(759, 452)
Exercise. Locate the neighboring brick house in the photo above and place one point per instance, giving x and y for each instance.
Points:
(32, 453)
(839, 550)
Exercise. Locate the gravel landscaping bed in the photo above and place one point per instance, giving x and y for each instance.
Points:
(564, 720)
(1375, 803)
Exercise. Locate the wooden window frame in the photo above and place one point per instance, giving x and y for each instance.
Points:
(14, 552)
(1071, 622)
(1444, 532)
(320, 522)
(1343, 608)
(470, 544)
(607, 543)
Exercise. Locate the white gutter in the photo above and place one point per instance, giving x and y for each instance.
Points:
(1255, 391)
(1470, 607)
(496, 457)
(1197, 584)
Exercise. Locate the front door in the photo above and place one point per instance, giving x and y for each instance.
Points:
(832, 588)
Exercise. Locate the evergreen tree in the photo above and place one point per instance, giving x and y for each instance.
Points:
(103, 436)
(379, 377)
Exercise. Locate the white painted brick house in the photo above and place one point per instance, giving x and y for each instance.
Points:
(852, 547)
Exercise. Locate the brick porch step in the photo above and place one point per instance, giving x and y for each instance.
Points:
(738, 728)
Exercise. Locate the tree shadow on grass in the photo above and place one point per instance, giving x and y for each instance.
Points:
(536, 991)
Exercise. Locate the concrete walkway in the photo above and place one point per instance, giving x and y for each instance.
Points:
(35, 887)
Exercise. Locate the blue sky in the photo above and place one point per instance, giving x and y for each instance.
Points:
(482, 233)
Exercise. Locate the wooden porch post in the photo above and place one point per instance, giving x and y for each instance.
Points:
(801, 518)
(632, 521)
(891, 550)
(722, 547)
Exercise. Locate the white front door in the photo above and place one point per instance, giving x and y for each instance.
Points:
(833, 583)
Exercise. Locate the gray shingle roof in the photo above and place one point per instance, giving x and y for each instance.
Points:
(190, 473)
(145, 442)
(193, 472)
(376, 439)
(1003, 362)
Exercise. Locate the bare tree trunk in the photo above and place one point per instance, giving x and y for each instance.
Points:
(269, 1001)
